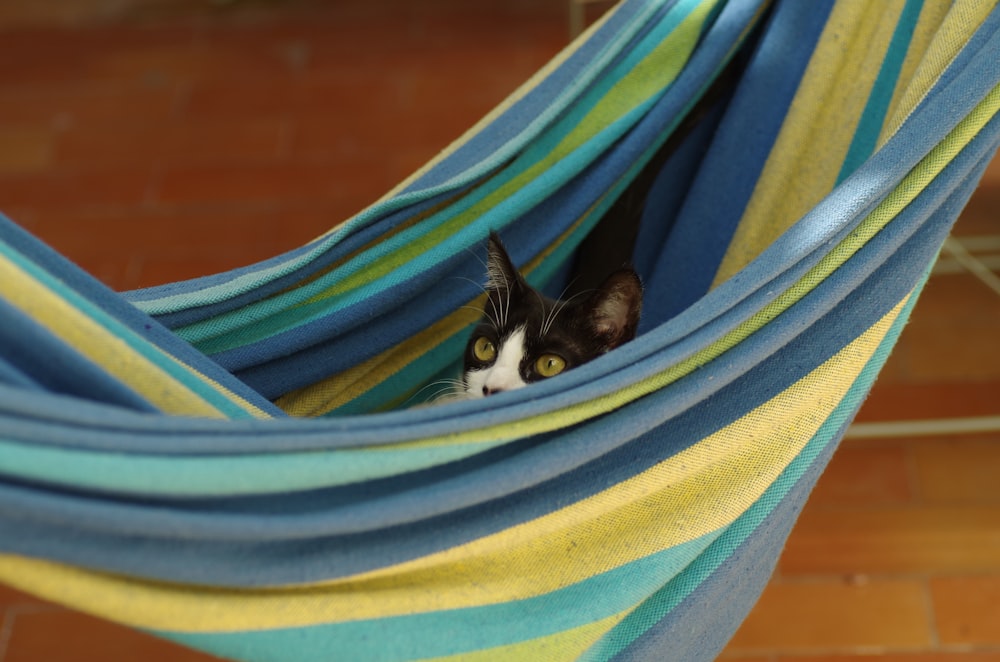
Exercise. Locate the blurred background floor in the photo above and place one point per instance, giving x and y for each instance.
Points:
(156, 140)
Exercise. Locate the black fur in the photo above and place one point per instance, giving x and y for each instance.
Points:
(578, 329)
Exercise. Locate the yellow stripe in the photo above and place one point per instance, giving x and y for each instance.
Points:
(98, 345)
(337, 390)
(816, 134)
(172, 607)
(566, 645)
(932, 14)
(907, 190)
(326, 395)
(644, 81)
(681, 499)
(945, 27)
(237, 400)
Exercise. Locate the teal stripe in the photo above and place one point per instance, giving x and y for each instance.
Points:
(443, 361)
(447, 355)
(480, 168)
(603, 90)
(457, 631)
(684, 584)
(678, 571)
(282, 313)
(227, 475)
(141, 346)
(873, 117)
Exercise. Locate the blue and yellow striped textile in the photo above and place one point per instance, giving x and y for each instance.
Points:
(233, 463)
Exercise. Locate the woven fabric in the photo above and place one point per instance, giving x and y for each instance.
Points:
(234, 463)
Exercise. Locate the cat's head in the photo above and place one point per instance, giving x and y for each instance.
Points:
(525, 336)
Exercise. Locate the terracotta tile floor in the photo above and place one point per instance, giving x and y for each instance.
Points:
(154, 140)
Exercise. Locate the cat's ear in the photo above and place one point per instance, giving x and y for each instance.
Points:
(501, 273)
(615, 308)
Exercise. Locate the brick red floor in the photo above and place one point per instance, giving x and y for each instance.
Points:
(155, 140)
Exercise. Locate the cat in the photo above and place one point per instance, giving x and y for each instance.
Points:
(525, 336)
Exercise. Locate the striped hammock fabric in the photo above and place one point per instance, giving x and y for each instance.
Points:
(234, 462)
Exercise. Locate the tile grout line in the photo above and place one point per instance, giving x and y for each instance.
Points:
(926, 427)
(7, 624)
(958, 252)
(6, 629)
(857, 652)
(930, 613)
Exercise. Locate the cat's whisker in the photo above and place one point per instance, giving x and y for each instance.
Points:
(502, 308)
(476, 283)
(447, 386)
(492, 273)
(506, 312)
(507, 289)
(440, 395)
(500, 312)
(493, 283)
(591, 328)
(452, 389)
(475, 254)
(541, 306)
(496, 318)
(476, 310)
(551, 316)
(558, 308)
(409, 401)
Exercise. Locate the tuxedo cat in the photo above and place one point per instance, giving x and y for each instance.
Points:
(525, 336)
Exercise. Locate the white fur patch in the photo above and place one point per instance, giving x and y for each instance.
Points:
(504, 374)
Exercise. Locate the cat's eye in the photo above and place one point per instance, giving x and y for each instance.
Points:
(550, 365)
(484, 349)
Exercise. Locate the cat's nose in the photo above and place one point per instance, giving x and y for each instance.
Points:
(491, 391)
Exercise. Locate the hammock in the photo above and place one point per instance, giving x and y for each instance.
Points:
(234, 462)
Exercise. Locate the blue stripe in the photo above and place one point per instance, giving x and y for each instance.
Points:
(67, 279)
(695, 618)
(330, 344)
(873, 117)
(483, 153)
(679, 572)
(787, 492)
(530, 476)
(697, 241)
(417, 636)
(230, 332)
(52, 366)
(115, 328)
